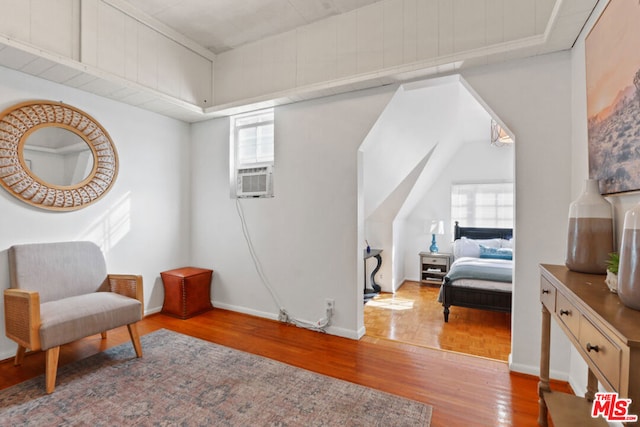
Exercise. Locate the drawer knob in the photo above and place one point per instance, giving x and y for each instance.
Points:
(592, 347)
(545, 291)
(564, 312)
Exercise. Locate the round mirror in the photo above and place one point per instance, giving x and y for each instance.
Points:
(54, 156)
(58, 156)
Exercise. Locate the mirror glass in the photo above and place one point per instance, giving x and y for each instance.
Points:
(58, 156)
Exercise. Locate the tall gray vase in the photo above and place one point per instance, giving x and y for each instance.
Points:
(590, 236)
(629, 268)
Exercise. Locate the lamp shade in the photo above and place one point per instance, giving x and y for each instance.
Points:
(436, 227)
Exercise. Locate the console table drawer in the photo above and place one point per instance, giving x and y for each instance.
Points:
(548, 295)
(602, 352)
(568, 314)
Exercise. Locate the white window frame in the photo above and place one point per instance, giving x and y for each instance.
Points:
(483, 204)
(263, 117)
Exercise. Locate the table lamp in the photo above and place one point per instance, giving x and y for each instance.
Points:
(437, 227)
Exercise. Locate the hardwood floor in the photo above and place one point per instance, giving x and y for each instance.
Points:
(463, 390)
(414, 316)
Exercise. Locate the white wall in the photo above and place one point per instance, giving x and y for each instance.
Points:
(306, 237)
(411, 125)
(533, 98)
(142, 224)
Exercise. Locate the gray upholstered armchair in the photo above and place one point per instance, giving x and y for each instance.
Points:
(60, 292)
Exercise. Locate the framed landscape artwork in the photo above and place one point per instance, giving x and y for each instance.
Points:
(612, 51)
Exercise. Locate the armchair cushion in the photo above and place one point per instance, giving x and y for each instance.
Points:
(73, 318)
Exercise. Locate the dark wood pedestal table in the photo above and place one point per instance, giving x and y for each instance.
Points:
(375, 288)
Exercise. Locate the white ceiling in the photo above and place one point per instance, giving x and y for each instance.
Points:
(220, 25)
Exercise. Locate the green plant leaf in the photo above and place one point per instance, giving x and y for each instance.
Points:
(613, 262)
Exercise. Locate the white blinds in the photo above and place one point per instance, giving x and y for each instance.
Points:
(483, 204)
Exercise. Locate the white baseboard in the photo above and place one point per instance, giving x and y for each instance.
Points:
(5, 355)
(153, 311)
(244, 310)
(331, 330)
(344, 333)
(535, 371)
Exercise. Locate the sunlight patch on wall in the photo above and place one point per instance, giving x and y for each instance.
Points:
(112, 226)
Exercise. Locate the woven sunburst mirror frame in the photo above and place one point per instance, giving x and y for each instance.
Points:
(21, 120)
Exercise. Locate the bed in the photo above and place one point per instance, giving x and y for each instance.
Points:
(479, 280)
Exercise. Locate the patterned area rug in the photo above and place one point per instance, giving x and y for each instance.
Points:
(182, 380)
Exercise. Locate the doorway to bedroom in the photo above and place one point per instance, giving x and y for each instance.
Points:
(436, 134)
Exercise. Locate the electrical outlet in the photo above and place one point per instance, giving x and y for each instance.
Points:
(329, 304)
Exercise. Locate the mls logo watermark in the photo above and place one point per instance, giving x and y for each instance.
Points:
(612, 408)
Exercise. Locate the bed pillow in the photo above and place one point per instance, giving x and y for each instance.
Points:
(496, 253)
(465, 247)
(504, 243)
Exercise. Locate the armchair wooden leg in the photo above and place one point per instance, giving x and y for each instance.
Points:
(19, 355)
(51, 368)
(135, 338)
(103, 335)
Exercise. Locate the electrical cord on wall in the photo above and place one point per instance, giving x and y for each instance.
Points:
(283, 315)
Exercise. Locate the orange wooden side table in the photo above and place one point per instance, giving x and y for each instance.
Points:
(187, 291)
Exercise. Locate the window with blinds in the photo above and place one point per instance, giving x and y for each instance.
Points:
(483, 204)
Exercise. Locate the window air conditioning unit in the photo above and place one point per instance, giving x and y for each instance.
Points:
(254, 182)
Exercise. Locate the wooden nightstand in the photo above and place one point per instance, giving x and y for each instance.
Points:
(433, 267)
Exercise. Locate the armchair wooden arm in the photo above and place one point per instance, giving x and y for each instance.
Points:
(128, 285)
(22, 317)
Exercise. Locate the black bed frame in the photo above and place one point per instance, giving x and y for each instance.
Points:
(483, 299)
